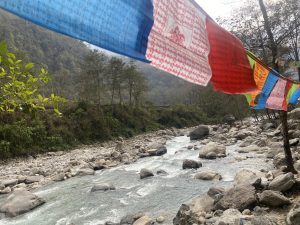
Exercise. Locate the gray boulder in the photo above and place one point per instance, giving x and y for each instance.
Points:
(158, 151)
(208, 175)
(10, 182)
(199, 133)
(19, 202)
(192, 211)
(282, 183)
(246, 176)
(103, 187)
(191, 164)
(212, 147)
(293, 217)
(273, 198)
(239, 197)
(144, 173)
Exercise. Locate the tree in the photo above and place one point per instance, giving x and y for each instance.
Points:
(283, 114)
(92, 77)
(116, 70)
(21, 84)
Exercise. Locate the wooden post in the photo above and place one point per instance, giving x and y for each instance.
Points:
(286, 142)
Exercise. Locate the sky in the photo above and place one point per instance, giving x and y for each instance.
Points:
(219, 8)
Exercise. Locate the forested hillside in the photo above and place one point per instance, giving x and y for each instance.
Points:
(106, 95)
(63, 57)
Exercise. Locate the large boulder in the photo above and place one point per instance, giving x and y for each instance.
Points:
(293, 217)
(273, 198)
(192, 211)
(191, 164)
(239, 197)
(144, 173)
(19, 202)
(103, 187)
(217, 149)
(282, 183)
(199, 133)
(208, 175)
(246, 176)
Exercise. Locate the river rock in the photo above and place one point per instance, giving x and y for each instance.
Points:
(10, 182)
(131, 218)
(282, 183)
(144, 173)
(192, 212)
(216, 193)
(145, 220)
(161, 173)
(293, 217)
(100, 164)
(199, 133)
(33, 179)
(273, 198)
(246, 176)
(208, 175)
(59, 177)
(239, 197)
(229, 119)
(295, 114)
(160, 219)
(279, 160)
(6, 190)
(19, 202)
(229, 217)
(191, 164)
(158, 152)
(212, 147)
(294, 142)
(103, 187)
(85, 172)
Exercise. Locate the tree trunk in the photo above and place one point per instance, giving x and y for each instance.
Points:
(283, 114)
(286, 143)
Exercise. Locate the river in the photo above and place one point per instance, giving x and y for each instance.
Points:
(72, 202)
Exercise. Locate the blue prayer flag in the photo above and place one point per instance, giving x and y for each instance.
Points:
(266, 91)
(121, 26)
(295, 96)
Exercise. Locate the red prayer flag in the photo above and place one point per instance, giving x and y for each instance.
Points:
(231, 71)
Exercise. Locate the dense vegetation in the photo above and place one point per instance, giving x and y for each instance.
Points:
(106, 95)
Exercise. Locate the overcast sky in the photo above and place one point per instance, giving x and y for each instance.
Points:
(219, 8)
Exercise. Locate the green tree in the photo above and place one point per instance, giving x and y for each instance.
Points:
(21, 84)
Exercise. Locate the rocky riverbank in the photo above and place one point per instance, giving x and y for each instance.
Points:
(34, 172)
(256, 196)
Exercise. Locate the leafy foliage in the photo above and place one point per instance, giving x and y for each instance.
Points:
(21, 85)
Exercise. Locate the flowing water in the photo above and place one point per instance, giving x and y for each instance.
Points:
(72, 202)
